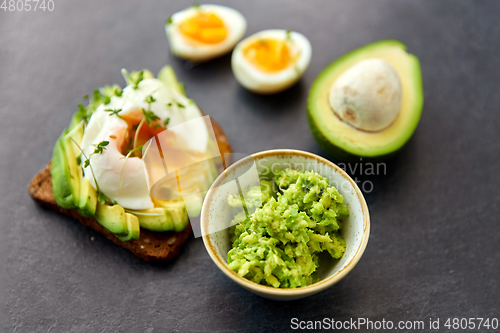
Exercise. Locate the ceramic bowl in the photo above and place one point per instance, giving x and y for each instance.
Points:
(216, 215)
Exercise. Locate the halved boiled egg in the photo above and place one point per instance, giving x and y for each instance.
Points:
(204, 32)
(271, 61)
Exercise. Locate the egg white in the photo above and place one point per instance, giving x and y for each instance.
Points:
(184, 48)
(253, 79)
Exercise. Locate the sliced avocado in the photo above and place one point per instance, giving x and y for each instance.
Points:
(61, 177)
(135, 77)
(112, 218)
(71, 151)
(65, 173)
(110, 91)
(194, 203)
(154, 219)
(171, 215)
(167, 76)
(88, 198)
(134, 230)
(345, 142)
(178, 213)
(75, 121)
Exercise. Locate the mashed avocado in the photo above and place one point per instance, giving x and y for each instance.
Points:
(278, 244)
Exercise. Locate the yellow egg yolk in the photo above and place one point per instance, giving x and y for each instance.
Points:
(206, 28)
(269, 55)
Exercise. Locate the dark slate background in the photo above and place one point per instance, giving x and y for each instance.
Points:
(434, 244)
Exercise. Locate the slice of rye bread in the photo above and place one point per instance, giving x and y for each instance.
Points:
(153, 247)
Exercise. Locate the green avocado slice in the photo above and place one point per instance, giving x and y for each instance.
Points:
(345, 142)
(177, 211)
(154, 219)
(61, 176)
(112, 218)
(167, 76)
(133, 228)
(66, 173)
(88, 198)
(172, 215)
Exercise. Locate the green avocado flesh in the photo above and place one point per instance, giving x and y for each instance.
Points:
(73, 191)
(345, 142)
(278, 245)
(61, 177)
(171, 216)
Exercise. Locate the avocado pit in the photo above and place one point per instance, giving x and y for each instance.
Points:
(367, 96)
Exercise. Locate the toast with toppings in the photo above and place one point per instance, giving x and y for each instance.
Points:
(55, 188)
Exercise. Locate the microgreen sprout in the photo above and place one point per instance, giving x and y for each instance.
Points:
(149, 99)
(99, 149)
(149, 116)
(114, 112)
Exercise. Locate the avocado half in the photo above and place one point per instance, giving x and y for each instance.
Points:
(344, 142)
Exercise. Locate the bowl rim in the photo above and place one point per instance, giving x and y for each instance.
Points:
(296, 292)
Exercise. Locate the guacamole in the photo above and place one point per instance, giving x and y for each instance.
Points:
(299, 216)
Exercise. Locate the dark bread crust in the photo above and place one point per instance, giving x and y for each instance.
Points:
(153, 247)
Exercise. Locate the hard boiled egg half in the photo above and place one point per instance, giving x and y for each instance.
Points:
(204, 32)
(271, 61)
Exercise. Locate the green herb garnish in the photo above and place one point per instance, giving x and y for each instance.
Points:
(149, 99)
(114, 112)
(99, 149)
(149, 116)
(111, 91)
(133, 78)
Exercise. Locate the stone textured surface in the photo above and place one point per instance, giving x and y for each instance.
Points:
(433, 250)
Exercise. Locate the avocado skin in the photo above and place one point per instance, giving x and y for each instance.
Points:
(61, 176)
(343, 155)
